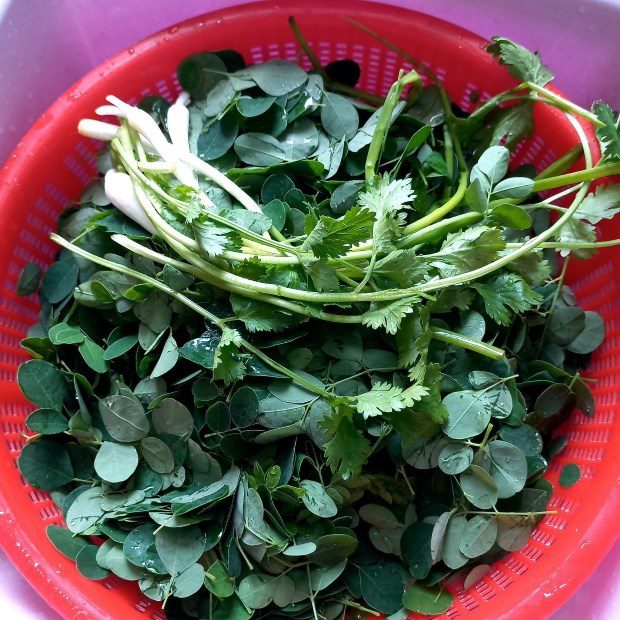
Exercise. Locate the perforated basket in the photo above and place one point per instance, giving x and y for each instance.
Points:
(51, 166)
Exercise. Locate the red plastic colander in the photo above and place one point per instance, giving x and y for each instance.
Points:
(53, 163)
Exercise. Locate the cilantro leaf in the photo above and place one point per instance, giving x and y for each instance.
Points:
(602, 204)
(575, 231)
(468, 249)
(609, 134)
(526, 66)
(259, 316)
(385, 397)
(412, 341)
(348, 450)
(388, 200)
(534, 268)
(404, 267)
(331, 237)
(388, 314)
(213, 239)
(323, 276)
(504, 293)
(228, 363)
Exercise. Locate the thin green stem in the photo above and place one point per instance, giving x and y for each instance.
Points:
(579, 176)
(438, 213)
(562, 164)
(564, 104)
(305, 46)
(383, 123)
(465, 342)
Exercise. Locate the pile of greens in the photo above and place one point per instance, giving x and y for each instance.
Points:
(313, 361)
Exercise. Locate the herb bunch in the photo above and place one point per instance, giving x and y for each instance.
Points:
(303, 349)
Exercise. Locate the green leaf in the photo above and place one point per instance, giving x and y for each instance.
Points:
(323, 576)
(68, 544)
(116, 462)
(381, 585)
(199, 73)
(332, 549)
(316, 499)
(504, 293)
(348, 450)
(120, 347)
(602, 204)
(592, 335)
(300, 140)
(345, 196)
(523, 64)
(469, 412)
(47, 421)
(576, 231)
(189, 581)
(85, 511)
(513, 124)
(62, 333)
(455, 458)
(426, 600)
(244, 407)
(511, 216)
(87, 566)
(479, 535)
(491, 167)
(384, 397)
(479, 488)
(258, 316)
(124, 418)
(42, 384)
(569, 475)
(277, 77)
(388, 315)
(139, 548)
(93, 355)
(565, 324)
(450, 552)
(179, 548)
(218, 581)
(379, 516)
(331, 238)
(339, 116)
(167, 359)
(213, 239)
(171, 417)
(45, 464)
(250, 107)
(219, 98)
(468, 250)
(525, 437)
(259, 149)
(157, 455)
(217, 417)
(552, 400)
(257, 591)
(403, 267)
(415, 548)
(29, 279)
(609, 133)
(513, 531)
(60, 280)
(220, 135)
(295, 551)
(323, 276)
